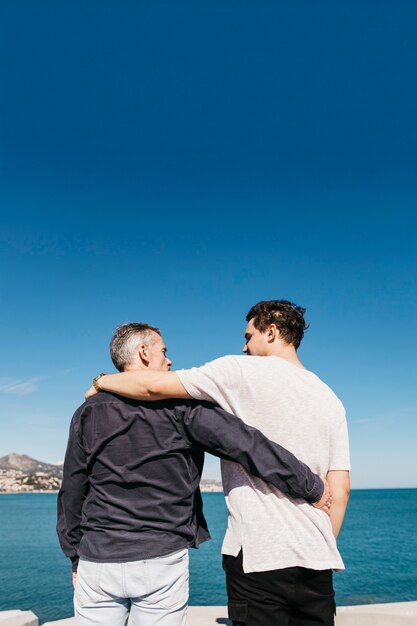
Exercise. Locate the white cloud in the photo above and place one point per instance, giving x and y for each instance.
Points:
(19, 387)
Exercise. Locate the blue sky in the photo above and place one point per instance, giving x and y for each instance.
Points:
(176, 163)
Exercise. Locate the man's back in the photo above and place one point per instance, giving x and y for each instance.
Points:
(293, 406)
(142, 475)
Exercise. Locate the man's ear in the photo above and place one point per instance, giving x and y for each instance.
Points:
(143, 351)
(272, 333)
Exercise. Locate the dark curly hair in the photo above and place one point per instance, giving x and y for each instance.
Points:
(287, 316)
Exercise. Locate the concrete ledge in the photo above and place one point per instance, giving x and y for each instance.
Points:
(390, 614)
(207, 616)
(18, 618)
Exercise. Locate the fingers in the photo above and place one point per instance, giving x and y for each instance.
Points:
(328, 502)
(89, 393)
(325, 502)
(324, 506)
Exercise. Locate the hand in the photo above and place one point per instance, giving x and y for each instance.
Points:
(325, 501)
(74, 578)
(91, 392)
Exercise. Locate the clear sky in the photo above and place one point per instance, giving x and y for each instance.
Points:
(176, 162)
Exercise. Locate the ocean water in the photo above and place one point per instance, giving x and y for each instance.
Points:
(378, 543)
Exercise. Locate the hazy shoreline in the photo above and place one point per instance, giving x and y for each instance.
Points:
(16, 493)
(20, 493)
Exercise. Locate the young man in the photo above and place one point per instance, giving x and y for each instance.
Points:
(278, 552)
(129, 506)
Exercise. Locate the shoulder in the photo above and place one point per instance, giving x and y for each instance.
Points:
(221, 370)
(106, 401)
(223, 363)
(228, 360)
(102, 398)
(330, 396)
(102, 402)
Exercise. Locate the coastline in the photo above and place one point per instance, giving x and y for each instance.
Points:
(206, 486)
(18, 493)
(15, 493)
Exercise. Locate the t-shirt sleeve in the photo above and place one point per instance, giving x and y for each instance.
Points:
(213, 381)
(339, 449)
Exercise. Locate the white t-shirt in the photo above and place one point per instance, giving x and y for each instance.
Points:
(294, 408)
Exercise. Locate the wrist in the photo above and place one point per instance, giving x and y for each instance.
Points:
(96, 383)
(317, 492)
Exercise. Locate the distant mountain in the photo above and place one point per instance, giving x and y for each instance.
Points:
(25, 463)
(19, 473)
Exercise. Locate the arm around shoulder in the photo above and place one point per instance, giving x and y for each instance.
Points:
(144, 385)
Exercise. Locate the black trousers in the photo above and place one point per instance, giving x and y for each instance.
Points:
(294, 596)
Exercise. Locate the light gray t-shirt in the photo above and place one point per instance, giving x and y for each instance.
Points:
(294, 408)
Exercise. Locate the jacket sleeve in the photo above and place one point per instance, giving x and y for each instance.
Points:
(228, 437)
(74, 489)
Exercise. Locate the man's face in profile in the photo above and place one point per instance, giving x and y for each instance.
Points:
(158, 359)
(256, 343)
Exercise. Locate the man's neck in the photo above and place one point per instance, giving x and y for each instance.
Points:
(134, 367)
(287, 352)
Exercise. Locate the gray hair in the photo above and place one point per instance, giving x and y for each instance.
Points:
(125, 341)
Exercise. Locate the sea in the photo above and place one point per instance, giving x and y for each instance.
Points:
(378, 543)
